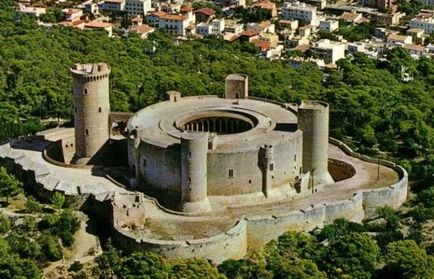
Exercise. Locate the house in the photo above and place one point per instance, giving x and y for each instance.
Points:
(292, 24)
(271, 38)
(233, 27)
(267, 6)
(143, 30)
(262, 27)
(174, 24)
(296, 41)
(249, 35)
(91, 8)
(154, 17)
(399, 40)
(97, 25)
(352, 17)
(218, 25)
(37, 12)
(418, 35)
(415, 50)
(72, 14)
(204, 29)
(230, 3)
(138, 7)
(381, 4)
(263, 45)
(386, 19)
(305, 31)
(319, 4)
(328, 25)
(424, 20)
(112, 5)
(204, 15)
(300, 11)
(330, 51)
(356, 47)
(136, 21)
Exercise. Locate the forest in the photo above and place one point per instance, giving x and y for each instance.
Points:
(380, 107)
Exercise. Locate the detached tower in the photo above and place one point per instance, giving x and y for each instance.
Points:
(237, 86)
(91, 108)
(313, 121)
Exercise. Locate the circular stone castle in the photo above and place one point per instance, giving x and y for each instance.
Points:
(204, 176)
(187, 149)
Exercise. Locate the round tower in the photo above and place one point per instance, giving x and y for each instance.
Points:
(313, 121)
(91, 108)
(194, 150)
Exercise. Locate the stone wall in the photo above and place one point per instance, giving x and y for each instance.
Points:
(392, 196)
(230, 244)
(252, 232)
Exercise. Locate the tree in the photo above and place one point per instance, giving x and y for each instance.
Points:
(33, 206)
(58, 199)
(297, 269)
(144, 265)
(14, 267)
(65, 226)
(194, 269)
(354, 254)
(51, 247)
(244, 269)
(23, 246)
(9, 185)
(5, 224)
(404, 259)
(390, 231)
(339, 228)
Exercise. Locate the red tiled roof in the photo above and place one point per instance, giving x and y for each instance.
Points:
(266, 5)
(206, 11)
(97, 24)
(250, 33)
(142, 29)
(173, 17)
(263, 45)
(159, 13)
(414, 47)
(186, 8)
(303, 48)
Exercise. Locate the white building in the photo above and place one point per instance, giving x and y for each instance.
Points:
(233, 27)
(204, 29)
(328, 50)
(112, 5)
(428, 2)
(71, 14)
(356, 47)
(329, 25)
(299, 11)
(138, 7)
(174, 24)
(425, 21)
(399, 40)
(31, 10)
(218, 25)
(91, 8)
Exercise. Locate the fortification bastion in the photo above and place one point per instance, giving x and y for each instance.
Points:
(205, 176)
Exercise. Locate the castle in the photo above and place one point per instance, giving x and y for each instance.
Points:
(206, 176)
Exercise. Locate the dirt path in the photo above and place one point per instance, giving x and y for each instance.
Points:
(85, 249)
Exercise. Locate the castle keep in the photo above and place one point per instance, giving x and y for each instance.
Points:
(204, 176)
